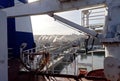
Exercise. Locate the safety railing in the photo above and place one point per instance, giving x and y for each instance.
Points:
(45, 60)
(34, 58)
(93, 18)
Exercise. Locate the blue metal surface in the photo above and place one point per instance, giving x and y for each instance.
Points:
(6, 3)
(23, 1)
(16, 38)
(23, 37)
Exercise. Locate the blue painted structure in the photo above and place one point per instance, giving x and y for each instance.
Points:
(15, 38)
(24, 1)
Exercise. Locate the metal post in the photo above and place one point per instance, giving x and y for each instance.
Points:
(53, 63)
(92, 61)
(21, 50)
(3, 47)
(28, 59)
(77, 65)
(74, 63)
(66, 67)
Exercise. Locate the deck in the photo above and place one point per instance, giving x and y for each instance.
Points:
(15, 75)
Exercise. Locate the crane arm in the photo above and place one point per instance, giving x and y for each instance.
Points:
(76, 26)
(48, 6)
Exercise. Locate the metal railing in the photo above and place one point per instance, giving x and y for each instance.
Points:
(33, 56)
(63, 62)
(93, 18)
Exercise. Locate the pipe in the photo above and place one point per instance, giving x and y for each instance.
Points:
(76, 26)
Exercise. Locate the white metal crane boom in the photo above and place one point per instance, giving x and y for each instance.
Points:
(48, 6)
(76, 26)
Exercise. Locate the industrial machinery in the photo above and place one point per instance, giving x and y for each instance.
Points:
(110, 38)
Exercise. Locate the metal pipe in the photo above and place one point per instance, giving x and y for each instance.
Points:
(76, 26)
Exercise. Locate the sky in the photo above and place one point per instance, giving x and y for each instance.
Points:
(45, 25)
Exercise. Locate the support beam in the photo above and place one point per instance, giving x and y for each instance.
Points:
(3, 47)
(76, 26)
(48, 6)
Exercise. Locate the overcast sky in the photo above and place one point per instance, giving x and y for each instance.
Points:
(45, 25)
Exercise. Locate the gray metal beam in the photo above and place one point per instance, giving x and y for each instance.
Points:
(49, 6)
(3, 48)
(76, 26)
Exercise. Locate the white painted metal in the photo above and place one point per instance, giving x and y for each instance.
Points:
(48, 6)
(94, 18)
(74, 25)
(22, 24)
(111, 68)
(3, 47)
(112, 61)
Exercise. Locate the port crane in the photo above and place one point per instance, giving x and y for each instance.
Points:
(110, 37)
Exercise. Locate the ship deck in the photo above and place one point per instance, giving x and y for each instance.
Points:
(15, 75)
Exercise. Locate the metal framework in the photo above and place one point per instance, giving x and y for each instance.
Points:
(50, 6)
(110, 38)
